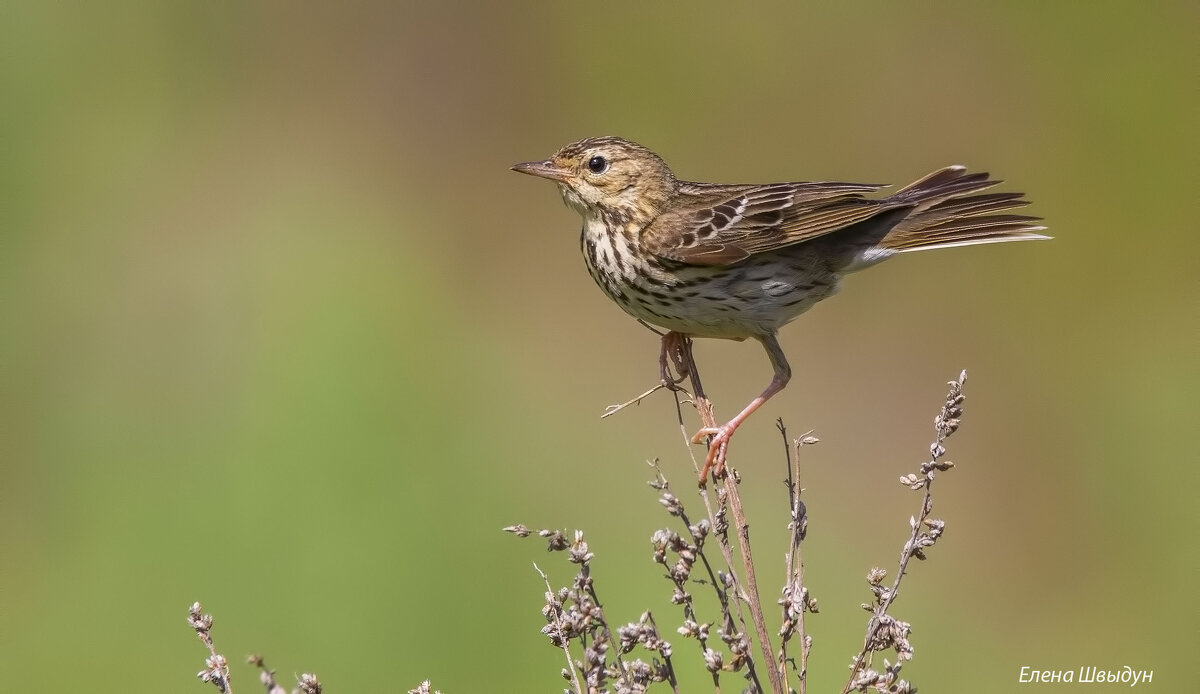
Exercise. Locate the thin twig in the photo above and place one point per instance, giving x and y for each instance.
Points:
(566, 644)
(672, 680)
(613, 409)
(605, 632)
(216, 667)
(796, 600)
(945, 424)
(715, 517)
(676, 508)
(760, 623)
(704, 407)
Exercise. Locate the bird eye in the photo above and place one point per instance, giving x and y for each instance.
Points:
(597, 165)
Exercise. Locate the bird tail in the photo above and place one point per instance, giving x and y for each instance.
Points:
(946, 213)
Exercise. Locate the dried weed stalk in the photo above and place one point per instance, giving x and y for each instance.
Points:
(216, 667)
(598, 660)
(574, 615)
(885, 632)
(601, 659)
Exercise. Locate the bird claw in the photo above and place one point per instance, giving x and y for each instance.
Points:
(717, 446)
(672, 384)
(705, 432)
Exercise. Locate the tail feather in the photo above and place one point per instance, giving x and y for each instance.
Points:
(950, 182)
(934, 180)
(945, 215)
(987, 222)
(978, 204)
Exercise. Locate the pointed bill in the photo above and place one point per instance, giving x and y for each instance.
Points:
(543, 169)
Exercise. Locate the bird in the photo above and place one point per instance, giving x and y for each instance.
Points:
(740, 261)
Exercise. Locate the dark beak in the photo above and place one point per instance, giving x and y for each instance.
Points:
(543, 169)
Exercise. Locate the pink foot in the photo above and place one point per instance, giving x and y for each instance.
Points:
(717, 446)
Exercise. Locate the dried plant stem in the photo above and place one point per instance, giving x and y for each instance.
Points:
(216, 667)
(705, 409)
(566, 646)
(605, 633)
(739, 596)
(613, 409)
(689, 607)
(760, 625)
(794, 581)
(672, 679)
(945, 424)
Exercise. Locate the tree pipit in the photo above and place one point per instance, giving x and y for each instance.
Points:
(739, 261)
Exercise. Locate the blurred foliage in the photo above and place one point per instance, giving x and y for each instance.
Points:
(281, 333)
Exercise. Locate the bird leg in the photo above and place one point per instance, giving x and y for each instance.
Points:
(719, 441)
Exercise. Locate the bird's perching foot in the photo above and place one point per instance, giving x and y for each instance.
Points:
(718, 444)
(671, 353)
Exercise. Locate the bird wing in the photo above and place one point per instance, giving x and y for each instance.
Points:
(720, 225)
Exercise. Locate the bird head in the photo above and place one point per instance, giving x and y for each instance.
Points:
(608, 178)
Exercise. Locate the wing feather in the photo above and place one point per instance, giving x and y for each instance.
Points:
(720, 225)
(723, 224)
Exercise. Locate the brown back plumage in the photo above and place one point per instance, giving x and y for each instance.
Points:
(710, 224)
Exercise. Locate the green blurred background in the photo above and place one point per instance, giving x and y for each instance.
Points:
(280, 332)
